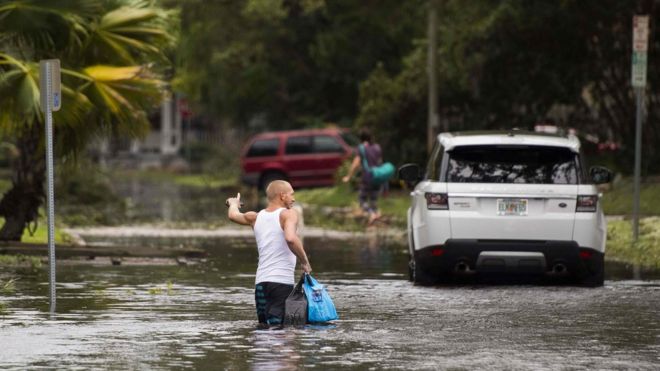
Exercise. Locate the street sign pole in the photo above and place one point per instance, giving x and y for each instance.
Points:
(638, 162)
(638, 79)
(49, 84)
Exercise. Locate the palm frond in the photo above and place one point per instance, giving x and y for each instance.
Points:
(43, 28)
(122, 94)
(129, 33)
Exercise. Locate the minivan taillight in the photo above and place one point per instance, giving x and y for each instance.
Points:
(587, 204)
(436, 201)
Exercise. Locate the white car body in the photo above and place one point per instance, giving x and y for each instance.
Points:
(503, 226)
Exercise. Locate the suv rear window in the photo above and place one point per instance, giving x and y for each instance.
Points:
(264, 147)
(512, 164)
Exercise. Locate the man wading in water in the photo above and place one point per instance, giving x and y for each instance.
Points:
(278, 244)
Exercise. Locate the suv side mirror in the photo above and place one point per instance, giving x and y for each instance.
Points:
(410, 173)
(600, 175)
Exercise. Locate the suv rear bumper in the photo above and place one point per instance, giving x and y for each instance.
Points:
(467, 257)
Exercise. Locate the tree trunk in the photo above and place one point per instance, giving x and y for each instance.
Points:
(20, 205)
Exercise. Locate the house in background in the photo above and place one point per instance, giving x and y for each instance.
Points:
(160, 148)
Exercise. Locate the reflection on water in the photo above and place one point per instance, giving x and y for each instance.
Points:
(202, 317)
(166, 201)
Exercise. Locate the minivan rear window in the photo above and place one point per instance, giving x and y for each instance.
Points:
(327, 144)
(263, 148)
(512, 164)
(298, 145)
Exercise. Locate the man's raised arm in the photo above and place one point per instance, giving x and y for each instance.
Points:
(236, 216)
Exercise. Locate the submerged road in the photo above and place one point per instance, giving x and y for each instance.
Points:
(202, 316)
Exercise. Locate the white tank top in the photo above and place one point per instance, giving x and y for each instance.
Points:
(276, 261)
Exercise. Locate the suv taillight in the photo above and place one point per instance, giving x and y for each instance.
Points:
(587, 204)
(436, 201)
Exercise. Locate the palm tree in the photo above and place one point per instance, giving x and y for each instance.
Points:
(112, 55)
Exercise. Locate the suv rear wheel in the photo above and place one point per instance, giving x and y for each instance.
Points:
(595, 275)
(417, 275)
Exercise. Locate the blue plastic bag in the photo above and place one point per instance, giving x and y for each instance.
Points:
(320, 307)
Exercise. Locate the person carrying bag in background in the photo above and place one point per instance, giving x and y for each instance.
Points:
(375, 173)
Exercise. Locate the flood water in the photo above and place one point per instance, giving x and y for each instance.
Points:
(202, 317)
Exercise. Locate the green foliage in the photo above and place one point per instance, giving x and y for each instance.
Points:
(219, 161)
(112, 55)
(338, 208)
(33, 262)
(284, 64)
(125, 36)
(41, 234)
(618, 200)
(84, 196)
(168, 290)
(205, 181)
(514, 64)
(8, 287)
(4, 185)
(645, 252)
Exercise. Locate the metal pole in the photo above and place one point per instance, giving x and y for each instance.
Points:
(432, 74)
(638, 162)
(51, 192)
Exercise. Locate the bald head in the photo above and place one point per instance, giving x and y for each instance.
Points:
(276, 188)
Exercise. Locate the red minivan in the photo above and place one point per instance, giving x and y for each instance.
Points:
(305, 158)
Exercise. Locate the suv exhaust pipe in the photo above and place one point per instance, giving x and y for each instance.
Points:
(559, 268)
(462, 267)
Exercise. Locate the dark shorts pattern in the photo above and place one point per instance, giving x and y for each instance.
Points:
(269, 297)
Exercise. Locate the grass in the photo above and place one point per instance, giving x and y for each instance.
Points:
(619, 199)
(645, 252)
(322, 201)
(197, 180)
(8, 287)
(5, 184)
(41, 234)
(20, 260)
(169, 290)
(204, 181)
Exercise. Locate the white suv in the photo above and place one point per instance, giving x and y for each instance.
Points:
(505, 202)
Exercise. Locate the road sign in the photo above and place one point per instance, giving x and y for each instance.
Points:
(639, 61)
(50, 74)
(640, 48)
(641, 33)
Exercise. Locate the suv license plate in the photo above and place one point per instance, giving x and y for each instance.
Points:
(511, 206)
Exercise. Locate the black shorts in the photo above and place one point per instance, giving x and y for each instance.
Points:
(269, 298)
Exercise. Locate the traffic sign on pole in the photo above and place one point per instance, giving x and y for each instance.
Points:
(640, 50)
(50, 68)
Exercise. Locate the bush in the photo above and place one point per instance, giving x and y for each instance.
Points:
(84, 197)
